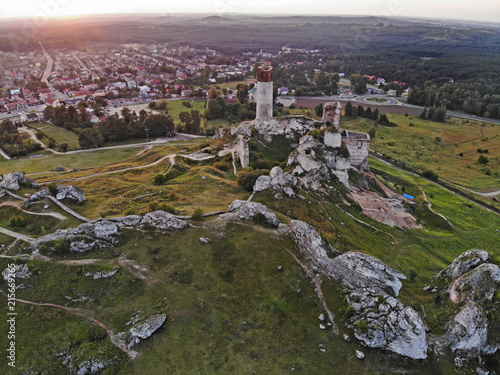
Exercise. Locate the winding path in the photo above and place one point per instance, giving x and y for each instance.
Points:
(17, 235)
(109, 330)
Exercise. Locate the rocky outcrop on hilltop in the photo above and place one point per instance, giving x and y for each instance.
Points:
(379, 320)
(292, 127)
(319, 160)
(105, 232)
(471, 283)
(14, 181)
(278, 181)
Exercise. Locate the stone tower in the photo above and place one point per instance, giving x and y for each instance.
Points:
(265, 94)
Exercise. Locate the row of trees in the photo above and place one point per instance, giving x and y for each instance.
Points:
(115, 129)
(476, 98)
(434, 114)
(360, 111)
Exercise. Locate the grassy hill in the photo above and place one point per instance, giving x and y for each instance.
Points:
(230, 308)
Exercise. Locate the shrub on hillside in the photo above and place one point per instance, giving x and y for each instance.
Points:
(246, 179)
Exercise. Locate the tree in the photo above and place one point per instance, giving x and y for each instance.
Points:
(361, 111)
(319, 110)
(483, 160)
(383, 119)
(371, 133)
(91, 138)
(213, 93)
(158, 125)
(375, 114)
(298, 92)
(348, 109)
(48, 113)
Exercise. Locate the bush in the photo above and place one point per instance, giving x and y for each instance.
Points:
(159, 179)
(362, 326)
(130, 211)
(198, 214)
(187, 104)
(97, 333)
(246, 179)
(153, 206)
(52, 188)
(166, 207)
(17, 221)
(222, 166)
(412, 274)
(483, 160)
(63, 147)
(430, 175)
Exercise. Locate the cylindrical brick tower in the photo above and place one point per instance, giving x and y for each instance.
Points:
(265, 93)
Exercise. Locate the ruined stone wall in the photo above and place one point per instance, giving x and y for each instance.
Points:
(358, 145)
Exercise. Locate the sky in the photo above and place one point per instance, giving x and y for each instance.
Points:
(478, 10)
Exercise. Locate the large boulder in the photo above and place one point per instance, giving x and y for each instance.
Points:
(471, 282)
(382, 321)
(70, 192)
(245, 210)
(14, 181)
(356, 270)
(277, 180)
(464, 263)
(146, 328)
(162, 220)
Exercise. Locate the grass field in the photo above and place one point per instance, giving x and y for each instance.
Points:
(175, 107)
(450, 149)
(232, 85)
(61, 135)
(49, 161)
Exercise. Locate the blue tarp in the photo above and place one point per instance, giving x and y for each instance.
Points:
(408, 196)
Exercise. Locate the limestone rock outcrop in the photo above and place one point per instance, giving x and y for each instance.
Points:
(277, 180)
(471, 282)
(146, 328)
(311, 244)
(14, 181)
(70, 192)
(105, 232)
(379, 320)
(317, 164)
(244, 210)
(292, 127)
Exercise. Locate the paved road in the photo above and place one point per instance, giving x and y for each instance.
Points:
(80, 62)
(46, 75)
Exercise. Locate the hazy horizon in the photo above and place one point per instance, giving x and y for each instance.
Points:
(481, 11)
